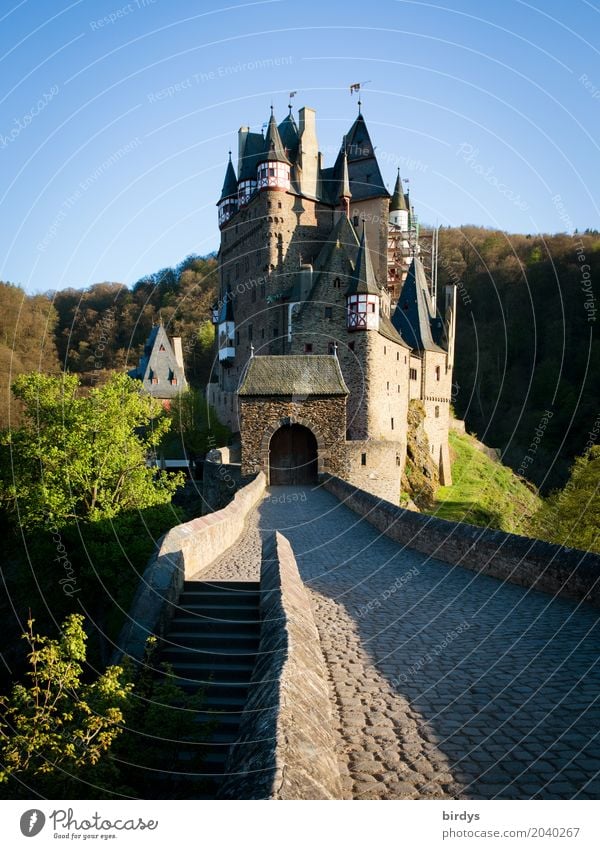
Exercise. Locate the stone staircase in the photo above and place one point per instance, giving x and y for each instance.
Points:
(211, 646)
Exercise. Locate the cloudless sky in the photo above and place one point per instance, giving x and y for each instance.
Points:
(491, 110)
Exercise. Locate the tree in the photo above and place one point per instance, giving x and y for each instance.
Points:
(569, 516)
(59, 723)
(82, 457)
(197, 423)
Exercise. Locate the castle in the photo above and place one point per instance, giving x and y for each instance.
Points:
(327, 324)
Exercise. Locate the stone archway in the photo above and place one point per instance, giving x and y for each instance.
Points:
(293, 456)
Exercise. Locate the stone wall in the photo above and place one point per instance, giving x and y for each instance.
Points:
(183, 552)
(324, 416)
(376, 467)
(220, 481)
(286, 747)
(560, 571)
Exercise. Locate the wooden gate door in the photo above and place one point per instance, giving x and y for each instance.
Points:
(292, 456)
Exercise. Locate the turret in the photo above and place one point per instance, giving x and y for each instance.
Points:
(273, 170)
(399, 206)
(228, 203)
(363, 296)
(226, 330)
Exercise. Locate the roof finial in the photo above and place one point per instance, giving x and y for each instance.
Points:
(230, 156)
(359, 105)
(271, 110)
(335, 349)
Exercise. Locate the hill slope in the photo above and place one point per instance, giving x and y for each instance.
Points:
(484, 491)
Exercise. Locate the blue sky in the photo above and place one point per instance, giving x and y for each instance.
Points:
(116, 117)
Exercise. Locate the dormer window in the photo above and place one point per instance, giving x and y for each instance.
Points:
(162, 348)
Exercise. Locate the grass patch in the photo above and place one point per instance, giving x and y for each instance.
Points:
(484, 492)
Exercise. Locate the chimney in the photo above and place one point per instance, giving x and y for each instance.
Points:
(309, 151)
(178, 351)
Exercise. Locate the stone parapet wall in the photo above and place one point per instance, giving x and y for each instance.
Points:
(286, 747)
(532, 563)
(184, 551)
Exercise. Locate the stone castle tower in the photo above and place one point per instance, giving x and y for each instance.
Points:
(327, 322)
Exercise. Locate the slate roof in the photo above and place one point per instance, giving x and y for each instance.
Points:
(158, 362)
(290, 137)
(254, 146)
(302, 374)
(399, 199)
(273, 149)
(412, 317)
(230, 184)
(363, 169)
(363, 280)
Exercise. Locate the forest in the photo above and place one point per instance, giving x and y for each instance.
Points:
(526, 376)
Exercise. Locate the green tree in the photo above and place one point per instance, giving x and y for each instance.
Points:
(569, 516)
(196, 423)
(59, 723)
(82, 456)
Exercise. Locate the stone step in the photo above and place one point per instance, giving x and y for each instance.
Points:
(234, 672)
(200, 625)
(175, 655)
(221, 586)
(219, 641)
(218, 613)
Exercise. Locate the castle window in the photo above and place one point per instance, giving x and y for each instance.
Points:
(372, 309)
(355, 220)
(328, 312)
(363, 459)
(397, 459)
(398, 355)
(437, 412)
(275, 332)
(392, 423)
(413, 374)
(250, 333)
(337, 283)
(253, 297)
(398, 387)
(437, 373)
(308, 348)
(350, 346)
(404, 360)
(388, 385)
(262, 333)
(279, 204)
(271, 172)
(331, 347)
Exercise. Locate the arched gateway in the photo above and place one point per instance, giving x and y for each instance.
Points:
(292, 456)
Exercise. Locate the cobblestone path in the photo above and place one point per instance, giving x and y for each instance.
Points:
(445, 684)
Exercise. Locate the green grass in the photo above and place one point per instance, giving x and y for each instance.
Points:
(484, 492)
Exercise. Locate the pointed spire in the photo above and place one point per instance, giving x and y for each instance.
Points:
(344, 191)
(363, 280)
(398, 202)
(274, 149)
(230, 183)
